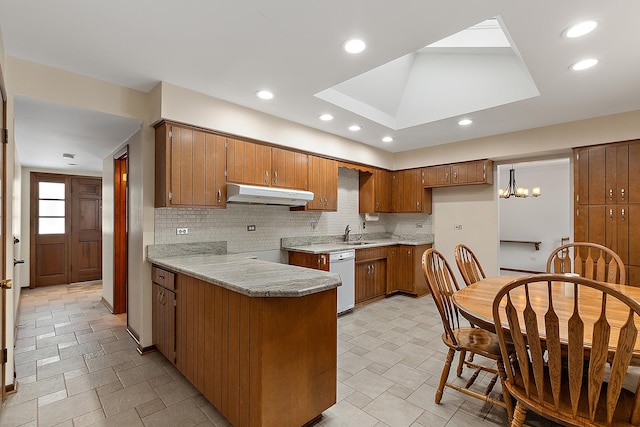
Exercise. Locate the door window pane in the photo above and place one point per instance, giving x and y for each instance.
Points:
(51, 190)
(51, 225)
(52, 208)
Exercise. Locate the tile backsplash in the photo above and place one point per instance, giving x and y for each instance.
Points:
(274, 222)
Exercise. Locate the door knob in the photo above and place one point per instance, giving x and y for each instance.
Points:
(18, 261)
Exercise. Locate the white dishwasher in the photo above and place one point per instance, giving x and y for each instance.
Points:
(343, 264)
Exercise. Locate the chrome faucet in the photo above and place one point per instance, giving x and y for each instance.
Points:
(347, 230)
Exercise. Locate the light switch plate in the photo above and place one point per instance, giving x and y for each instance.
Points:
(182, 231)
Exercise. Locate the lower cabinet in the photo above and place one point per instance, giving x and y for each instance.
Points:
(405, 270)
(164, 313)
(371, 274)
(309, 260)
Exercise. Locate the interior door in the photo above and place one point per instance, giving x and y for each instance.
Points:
(4, 284)
(86, 229)
(66, 231)
(49, 230)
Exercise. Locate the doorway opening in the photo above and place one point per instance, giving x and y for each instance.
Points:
(121, 228)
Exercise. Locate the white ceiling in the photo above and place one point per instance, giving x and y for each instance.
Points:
(229, 49)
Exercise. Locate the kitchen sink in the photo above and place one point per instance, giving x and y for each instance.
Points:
(356, 243)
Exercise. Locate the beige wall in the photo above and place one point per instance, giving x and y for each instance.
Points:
(54, 85)
(186, 106)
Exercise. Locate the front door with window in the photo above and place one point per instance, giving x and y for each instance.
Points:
(66, 229)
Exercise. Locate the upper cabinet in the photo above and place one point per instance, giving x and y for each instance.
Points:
(248, 162)
(375, 191)
(258, 164)
(290, 169)
(464, 173)
(408, 194)
(323, 182)
(190, 167)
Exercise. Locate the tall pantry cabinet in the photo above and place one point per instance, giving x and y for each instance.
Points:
(607, 200)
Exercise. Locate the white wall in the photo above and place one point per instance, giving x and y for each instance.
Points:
(546, 218)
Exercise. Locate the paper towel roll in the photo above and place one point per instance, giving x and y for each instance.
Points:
(371, 217)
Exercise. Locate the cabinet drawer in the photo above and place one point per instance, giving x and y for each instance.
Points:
(371, 254)
(163, 278)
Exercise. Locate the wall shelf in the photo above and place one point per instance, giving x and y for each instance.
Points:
(527, 242)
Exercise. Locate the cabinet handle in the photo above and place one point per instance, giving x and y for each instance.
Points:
(275, 177)
(455, 175)
(611, 214)
(418, 206)
(373, 269)
(623, 214)
(422, 173)
(266, 177)
(446, 175)
(622, 193)
(484, 171)
(219, 195)
(323, 260)
(326, 202)
(610, 194)
(377, 205)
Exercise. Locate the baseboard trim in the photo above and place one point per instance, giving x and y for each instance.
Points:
(11, 388)
(106, 304)
(146, 350)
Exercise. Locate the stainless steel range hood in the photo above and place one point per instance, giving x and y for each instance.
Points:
(241, 193)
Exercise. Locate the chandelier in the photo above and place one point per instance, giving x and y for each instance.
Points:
(513, 189)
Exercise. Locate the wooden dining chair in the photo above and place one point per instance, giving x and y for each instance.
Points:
(468, 264)
(471, 271)
(589, 260)
(459, 338)
(569, 385)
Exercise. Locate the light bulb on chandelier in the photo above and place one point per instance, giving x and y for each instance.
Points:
(513, 189)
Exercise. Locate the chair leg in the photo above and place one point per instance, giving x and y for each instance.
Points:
(445, 374)
(508, 401)
(461, 363)
(519, 416)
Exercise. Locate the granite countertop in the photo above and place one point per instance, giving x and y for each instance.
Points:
(248, 276)
(354, 243)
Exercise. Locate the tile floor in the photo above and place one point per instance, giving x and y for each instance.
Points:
(77, 366)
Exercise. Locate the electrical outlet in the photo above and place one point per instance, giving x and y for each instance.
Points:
(457, 227)
(251, 228)
(419, 225)
(182, 231)
(364, 224)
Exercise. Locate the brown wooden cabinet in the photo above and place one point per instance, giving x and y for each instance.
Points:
(405, 270)
(309, 260)
(323, 182)
(408, 194)
(164, 312)
(607, 200)
(375, 191)
(190, 167)
(463, 173)
(289, 169)
(370, 274)
(248, 162)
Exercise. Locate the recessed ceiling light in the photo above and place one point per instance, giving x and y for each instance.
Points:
(584, 64)
(355, 128)
(580, 29)
(465, 122)
(326, 117)
(68, 156)
(387, 139)
(354, 46)
(264, 94)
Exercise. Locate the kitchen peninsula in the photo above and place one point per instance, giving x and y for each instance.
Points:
(258, 339)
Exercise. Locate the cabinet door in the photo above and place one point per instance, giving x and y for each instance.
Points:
(581, 177)
(392, 270)
(633, 195)
(331, 191)
(443, 175)
(362, 278)
(164, 321)
(382, 189)
(633, 219)
(609, 226)
(215, 158)
(405, 268)
(248, 163)
(315, 261)
(397, 193)
(432, 176)
(596, 176)
(616, 174)
(289, 169)
(459, 173)
(379, 277)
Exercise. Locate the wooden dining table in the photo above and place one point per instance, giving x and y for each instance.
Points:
(475, 303)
